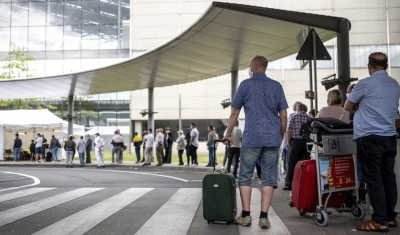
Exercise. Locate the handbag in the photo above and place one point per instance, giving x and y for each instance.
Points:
(124, 147)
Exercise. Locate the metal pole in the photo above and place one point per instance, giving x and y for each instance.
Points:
(70, 115)
(180, 107)
(119, 24)
(343, 55)
(150, 122)
(311, 83)
(315, 70)
(234, 83)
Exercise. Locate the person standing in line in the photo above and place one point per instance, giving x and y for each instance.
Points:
(17, 147)
(144, 145)
(89, 146)
(149, 148)
(69, 147)
(98, 150)
(54, 148)
(187, 137)
(265, 107)
(375, 101)
(210, 145)
(38, 148)
(181, 144)
(121, 155)
(236, 146)
(159, 142)
(298, 145)
(81, 147)
(312, 113)
(137, 141)
(32, 149)
(194, 144)
(117, 143)
(44, 146)
(168, 147)
(216, 147)
(334, 108)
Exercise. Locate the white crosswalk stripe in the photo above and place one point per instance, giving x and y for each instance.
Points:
(23, 211)
(84, 220)
(175, 216)
(277, 226)
(183, 205)
(22, 193)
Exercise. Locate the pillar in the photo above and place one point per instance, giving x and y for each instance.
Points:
(234, 83)
(70, 115)
(343, 52)
(150, 121)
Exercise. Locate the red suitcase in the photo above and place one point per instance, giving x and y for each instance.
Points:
(305, 190)
(304, 187)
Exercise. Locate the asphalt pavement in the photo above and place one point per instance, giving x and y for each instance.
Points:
(134, 200)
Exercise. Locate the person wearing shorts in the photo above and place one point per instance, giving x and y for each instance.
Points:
(38, 148)
(265, 107)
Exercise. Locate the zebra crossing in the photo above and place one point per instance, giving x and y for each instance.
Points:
(141, 211)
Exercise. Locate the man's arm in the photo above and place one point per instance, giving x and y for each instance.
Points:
(288, 136)
(232, 121)
(350, 106)
(283, 117)
(191, 139)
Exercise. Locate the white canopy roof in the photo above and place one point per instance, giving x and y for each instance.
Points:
(40, 118)
(221, 41)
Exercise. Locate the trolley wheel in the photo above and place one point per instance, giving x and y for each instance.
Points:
(303, 211)
(358, 212)
(321, 218)
(291, 204)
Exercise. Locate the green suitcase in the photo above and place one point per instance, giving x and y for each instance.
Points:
(219, 197)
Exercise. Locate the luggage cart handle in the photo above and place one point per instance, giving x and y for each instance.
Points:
(219, 141)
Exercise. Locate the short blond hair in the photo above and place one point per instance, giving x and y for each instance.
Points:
(335, 97)
(260, 61)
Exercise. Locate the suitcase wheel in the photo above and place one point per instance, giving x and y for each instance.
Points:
(303, 211)
(321, 218)
(291, 204)
(358, 212)
(208, 222)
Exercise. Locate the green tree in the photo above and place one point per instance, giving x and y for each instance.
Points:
(16, 65)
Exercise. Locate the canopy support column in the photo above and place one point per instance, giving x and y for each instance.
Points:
(70, 115)
(150, 122)
(343, 53)
(234, 83)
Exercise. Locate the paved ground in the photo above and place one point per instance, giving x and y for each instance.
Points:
(125, 200)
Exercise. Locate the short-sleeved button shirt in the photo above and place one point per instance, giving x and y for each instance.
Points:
(262, 99)
(378, 99)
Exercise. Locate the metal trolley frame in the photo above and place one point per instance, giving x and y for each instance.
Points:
(346, 147)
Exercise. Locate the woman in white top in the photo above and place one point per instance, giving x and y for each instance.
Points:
(334, 110)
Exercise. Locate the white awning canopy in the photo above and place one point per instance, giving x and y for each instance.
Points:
(221, 41)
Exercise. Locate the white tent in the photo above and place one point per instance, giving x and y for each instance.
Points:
(28, 123)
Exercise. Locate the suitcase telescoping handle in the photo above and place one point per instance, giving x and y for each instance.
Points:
(219, 141)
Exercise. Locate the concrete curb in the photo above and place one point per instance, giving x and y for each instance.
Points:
(109, 166)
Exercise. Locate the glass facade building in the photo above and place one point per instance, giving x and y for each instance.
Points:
(66, 36)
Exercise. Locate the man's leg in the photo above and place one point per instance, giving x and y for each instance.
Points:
(230, 158)
(237, 156)
(101, 158)
(369, 151)
(195, 155)
(294, 154)
(250, 156)
(15, 154)
(389, 177)
(96, 153)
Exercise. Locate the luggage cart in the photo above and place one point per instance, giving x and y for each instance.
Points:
(340, 150)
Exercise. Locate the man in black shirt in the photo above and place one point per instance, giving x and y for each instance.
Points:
(32, 149)
(187, 135)
(17, 148)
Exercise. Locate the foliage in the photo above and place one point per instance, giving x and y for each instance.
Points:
(16, 65)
